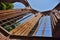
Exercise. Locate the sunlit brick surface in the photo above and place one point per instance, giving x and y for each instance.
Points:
(2, 37)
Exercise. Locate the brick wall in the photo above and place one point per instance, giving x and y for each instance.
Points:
(2, 37)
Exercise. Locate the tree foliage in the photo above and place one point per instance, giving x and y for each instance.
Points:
(6, 6)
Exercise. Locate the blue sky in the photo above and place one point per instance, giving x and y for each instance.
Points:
(41, 5)
(18, 5)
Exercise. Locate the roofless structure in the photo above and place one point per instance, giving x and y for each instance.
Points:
(10, 19)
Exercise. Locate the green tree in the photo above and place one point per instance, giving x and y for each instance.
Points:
(2, 6)
(6, 6)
